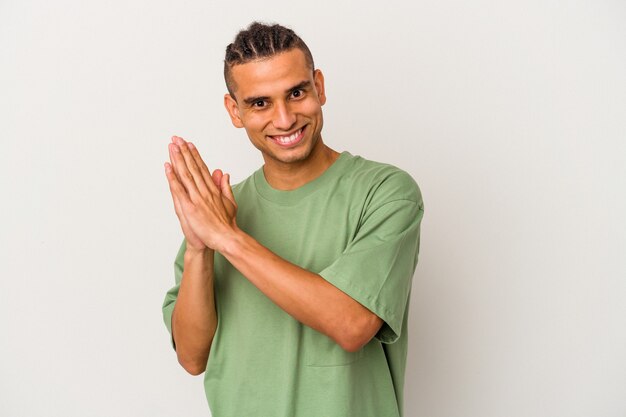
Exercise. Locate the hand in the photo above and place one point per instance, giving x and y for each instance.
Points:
(192, 240)
(204, 203)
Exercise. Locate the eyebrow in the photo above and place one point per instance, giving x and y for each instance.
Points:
(300, 86)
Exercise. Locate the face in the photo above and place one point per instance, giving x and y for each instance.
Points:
(279, 102)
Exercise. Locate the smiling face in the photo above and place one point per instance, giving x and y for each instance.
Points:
(278, 100)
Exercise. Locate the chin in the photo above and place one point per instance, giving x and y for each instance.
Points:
(291, 157)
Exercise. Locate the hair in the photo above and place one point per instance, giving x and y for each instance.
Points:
(261, 41)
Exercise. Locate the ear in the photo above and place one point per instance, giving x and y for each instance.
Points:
(318, 79)
(233, 110)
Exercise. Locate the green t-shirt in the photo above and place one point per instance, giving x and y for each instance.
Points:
(357, 225)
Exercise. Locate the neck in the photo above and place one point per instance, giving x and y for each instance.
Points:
(289, 176)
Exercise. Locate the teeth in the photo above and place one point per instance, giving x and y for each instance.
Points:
(288, 139)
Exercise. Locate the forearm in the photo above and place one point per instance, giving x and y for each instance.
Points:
(304, 295)
(194, 319)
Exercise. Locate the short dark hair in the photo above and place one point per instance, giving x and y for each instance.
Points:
(261, 41)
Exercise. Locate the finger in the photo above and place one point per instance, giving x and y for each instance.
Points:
(177, 207)
(204, 170)
(184, 176)
(217, 178)
(206, 174)
(174, 139)
(180, 181)
(182, 219)
(227, 190)
(178, 193)
(172, 162)
(192, 167)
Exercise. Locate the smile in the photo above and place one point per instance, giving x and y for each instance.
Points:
(289, 140)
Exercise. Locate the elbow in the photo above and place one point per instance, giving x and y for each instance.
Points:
(193, 361)
(196, 370)
(352, 345)
(193, 367)
(355, 334)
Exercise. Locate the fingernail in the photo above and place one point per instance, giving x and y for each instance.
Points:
(179, 141)
(176, 148)
(190, 145)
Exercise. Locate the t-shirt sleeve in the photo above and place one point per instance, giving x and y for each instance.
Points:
(376, 268)
(172, 294)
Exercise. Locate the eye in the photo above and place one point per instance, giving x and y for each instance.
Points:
(297, 93)
(259, 104)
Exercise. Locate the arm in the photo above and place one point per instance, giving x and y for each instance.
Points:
(306, 296)
(211, 211)
(194, 319)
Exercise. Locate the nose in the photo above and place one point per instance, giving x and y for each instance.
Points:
(283, 117)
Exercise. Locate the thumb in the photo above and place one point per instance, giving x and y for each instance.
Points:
(217, 177)
(227, 191)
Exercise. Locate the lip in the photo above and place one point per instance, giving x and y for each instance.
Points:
(291, 143)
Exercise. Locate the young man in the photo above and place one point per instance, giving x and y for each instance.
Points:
(292, 288)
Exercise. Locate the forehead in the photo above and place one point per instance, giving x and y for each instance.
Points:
(271, 76)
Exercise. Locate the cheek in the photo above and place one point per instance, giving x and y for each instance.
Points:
(254, 122)
(310, 107)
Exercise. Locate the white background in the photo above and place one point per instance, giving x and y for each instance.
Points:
(511, 115)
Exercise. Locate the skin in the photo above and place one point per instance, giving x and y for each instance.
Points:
(275, 97)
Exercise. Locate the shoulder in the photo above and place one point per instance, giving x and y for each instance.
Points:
(383, 182)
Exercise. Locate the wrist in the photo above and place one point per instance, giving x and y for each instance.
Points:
(198, 253)
(232, 243)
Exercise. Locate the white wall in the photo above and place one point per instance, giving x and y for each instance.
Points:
(511, 116)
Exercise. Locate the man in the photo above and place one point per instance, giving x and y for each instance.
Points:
(292, 287)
